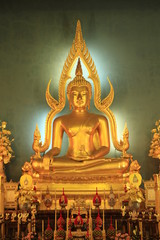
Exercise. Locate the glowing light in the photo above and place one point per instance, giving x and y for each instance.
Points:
(84, 70)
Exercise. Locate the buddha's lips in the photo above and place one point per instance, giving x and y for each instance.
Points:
(80, 102)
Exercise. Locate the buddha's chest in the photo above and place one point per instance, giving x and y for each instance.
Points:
(83, 127)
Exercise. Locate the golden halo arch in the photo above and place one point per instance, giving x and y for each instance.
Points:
(80, 50)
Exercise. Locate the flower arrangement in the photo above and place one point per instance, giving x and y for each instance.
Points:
(6, 151)
(154, 151)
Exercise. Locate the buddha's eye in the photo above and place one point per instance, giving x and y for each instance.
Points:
(84, 93)
(74, 93)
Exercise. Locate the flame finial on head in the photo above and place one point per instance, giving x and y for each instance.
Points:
(79, 80)
(79, 68)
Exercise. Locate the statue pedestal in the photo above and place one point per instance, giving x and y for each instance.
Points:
(85, 190)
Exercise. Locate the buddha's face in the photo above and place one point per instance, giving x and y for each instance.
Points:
(79, 97)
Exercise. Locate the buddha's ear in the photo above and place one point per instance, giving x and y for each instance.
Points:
(88, 103)
(70, 104)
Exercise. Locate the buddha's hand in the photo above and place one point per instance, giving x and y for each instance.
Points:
(48, 160)
(49, 157)
(91, 157)
(53, 152)
(99, 153)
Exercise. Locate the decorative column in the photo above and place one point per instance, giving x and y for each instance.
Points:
(90, 222)
(42, 229)
(19, 225)
(141, 227)
(157, 197)
(1, 194)
(104, 235)
(55, 228)
(157, 191)
(29, 226)
(67, 224)
(2, 225)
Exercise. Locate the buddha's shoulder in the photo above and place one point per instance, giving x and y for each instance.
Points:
(98, 116)
(62, 118)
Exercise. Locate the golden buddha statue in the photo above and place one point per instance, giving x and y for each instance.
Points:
(88, 133)
(88, 136)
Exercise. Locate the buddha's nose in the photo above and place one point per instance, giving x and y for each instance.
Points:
(79, 96)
